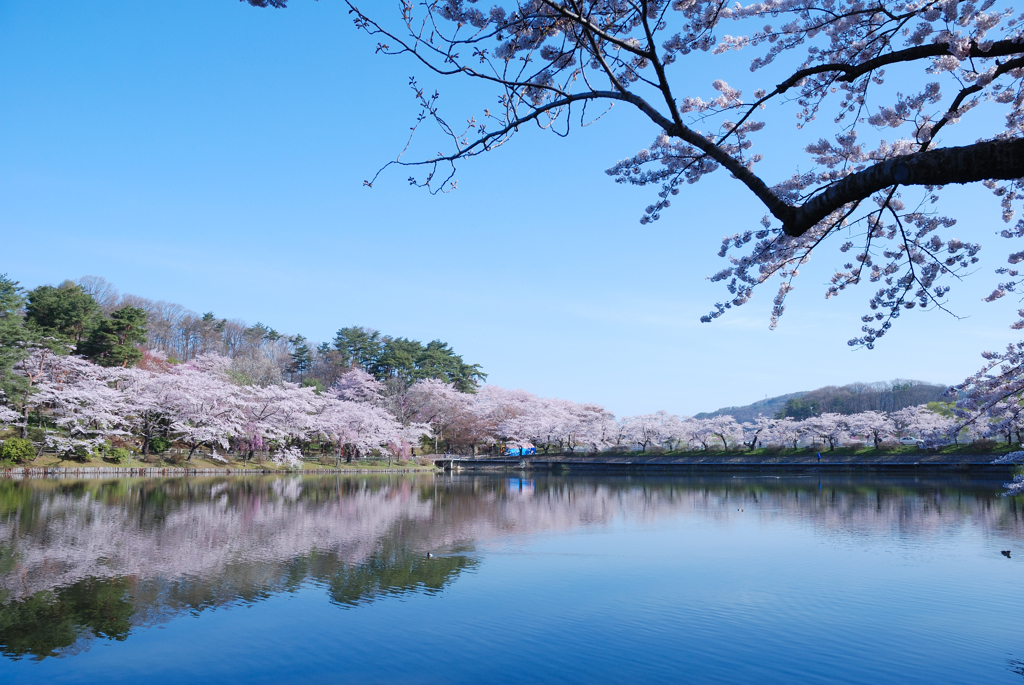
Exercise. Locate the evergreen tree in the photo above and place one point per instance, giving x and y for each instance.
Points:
(65, 312)
(114, 341)
(301, 357)
(358, 346)
(13, 338)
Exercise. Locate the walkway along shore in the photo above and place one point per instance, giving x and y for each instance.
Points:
(703, 462)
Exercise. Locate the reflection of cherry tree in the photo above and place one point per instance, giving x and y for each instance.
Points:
(228, 532)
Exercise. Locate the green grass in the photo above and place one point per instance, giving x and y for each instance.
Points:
(199, 462)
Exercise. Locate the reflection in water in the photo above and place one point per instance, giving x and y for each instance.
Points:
(88, 559)
(49, 622)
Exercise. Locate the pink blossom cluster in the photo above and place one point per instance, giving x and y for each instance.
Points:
(197, 404)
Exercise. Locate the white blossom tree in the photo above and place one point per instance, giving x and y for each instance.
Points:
(894, 80)
(873, 425)
(830, 427)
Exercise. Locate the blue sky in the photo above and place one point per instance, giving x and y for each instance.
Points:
(212, 154)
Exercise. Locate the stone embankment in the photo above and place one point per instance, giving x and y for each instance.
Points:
(177, 472)
(725, 462)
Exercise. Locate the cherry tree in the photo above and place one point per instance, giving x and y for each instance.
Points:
(437, 404)
(989, 400)
(699, 431)
(35, 367)
(758, 431)
(356, 385)
(887, 85)
(80, 398)
(289, 457)
(508, 412)
(877, 426)
(674, 431)
(923, 423)
(594, 425)
(202, 405)
(146, 396)
(362, 427)
(829, 426)
(725, 428)
(274, 412)
(8, 416)
(643, 430)
(784, 431)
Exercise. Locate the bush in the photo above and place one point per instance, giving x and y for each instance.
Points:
(985, 444)
(17, 450)
(118, 455)
(150, 459)
(158, 444)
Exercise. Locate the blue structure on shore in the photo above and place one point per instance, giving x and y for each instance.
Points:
(517, 449)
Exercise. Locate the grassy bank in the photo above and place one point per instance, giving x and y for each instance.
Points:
(49, 461)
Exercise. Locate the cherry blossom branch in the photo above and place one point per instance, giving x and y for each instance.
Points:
(851, 72)
(994, 159)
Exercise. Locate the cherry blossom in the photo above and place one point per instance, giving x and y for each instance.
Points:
(888, 85)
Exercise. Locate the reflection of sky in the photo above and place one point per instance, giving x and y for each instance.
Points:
(609, 580)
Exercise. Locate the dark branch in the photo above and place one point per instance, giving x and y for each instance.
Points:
(851, 72)
(994, 159)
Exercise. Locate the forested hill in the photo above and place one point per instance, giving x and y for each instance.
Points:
(885, 396)
(769, 406)
(115, 329)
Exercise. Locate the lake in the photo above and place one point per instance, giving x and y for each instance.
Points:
(574, 579)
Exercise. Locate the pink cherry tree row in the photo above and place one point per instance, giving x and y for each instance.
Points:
(80, 406)
(203, 406)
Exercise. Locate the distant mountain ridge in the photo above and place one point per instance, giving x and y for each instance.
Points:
(843, 399)
(769, 407)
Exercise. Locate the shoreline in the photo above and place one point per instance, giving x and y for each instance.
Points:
(735, 463)
(674, 466)
(178, 472)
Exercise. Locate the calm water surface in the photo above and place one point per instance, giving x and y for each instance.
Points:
(548, 579)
